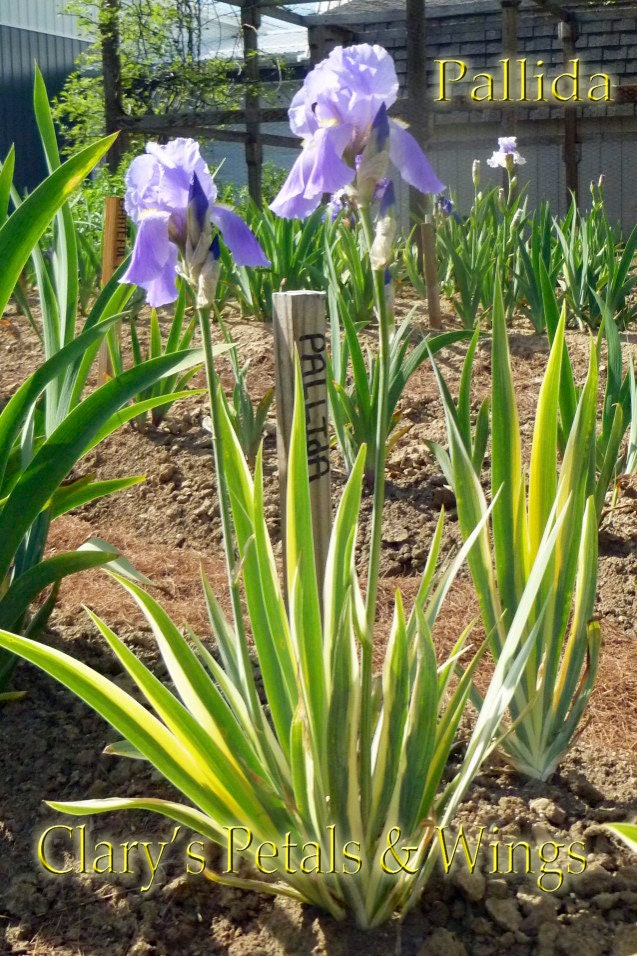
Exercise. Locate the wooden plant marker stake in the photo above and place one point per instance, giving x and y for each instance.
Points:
(299, 325)
(428, 242)
(113, 253)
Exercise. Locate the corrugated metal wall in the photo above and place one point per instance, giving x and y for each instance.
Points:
(40, 15)
(19, 51)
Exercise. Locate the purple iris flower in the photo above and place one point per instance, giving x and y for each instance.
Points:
(338, 112)
(445, 205)
(170, 196)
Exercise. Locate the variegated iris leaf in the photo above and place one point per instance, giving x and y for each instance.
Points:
(558, 679)
(285, 758)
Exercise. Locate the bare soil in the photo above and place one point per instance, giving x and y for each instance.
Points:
(51, 744)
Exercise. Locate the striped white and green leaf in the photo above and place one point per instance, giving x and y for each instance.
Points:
(561, 668)
(626, 832)
(50, 423)
(285, 757)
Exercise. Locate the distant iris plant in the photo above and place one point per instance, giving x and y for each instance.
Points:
(170, 196)
(445, 205)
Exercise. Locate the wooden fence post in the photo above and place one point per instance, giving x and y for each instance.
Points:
(113, 253)
(430, 267)
(572, 150)
(250, 23)
(299, 325)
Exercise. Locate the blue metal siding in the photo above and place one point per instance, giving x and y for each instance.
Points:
(19, 51)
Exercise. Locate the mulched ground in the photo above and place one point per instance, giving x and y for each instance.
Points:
(50, 744)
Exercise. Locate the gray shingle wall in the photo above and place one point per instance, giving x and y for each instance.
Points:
(607, 42)
(606, 45)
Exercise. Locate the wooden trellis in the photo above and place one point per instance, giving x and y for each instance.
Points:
(253, 117)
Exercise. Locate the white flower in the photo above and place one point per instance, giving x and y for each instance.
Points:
(507, 154)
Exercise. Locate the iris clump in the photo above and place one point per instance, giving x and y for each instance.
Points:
(170, 196)
(342, 103)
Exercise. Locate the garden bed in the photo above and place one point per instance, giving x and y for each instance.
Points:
(168, 526)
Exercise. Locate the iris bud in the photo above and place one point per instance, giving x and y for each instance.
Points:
(380, 253)
(373, 163)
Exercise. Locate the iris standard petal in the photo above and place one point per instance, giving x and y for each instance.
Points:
(243, 245)
(154, 261)
(178, 153)
(376, 78)
(411, 162)
(142, 186)
(179, 160)
(302, 120)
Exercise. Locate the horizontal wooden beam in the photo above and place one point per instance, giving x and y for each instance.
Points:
(197, 129)
(170, 122)
(239, 136)
(278, 12)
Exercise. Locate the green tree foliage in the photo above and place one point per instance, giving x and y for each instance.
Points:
(164, 66)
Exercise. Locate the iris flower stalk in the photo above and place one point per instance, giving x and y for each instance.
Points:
(171, 196)
(349, 142)
(507, 157)
(378, 242)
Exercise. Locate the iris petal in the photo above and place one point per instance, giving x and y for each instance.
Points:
(239, 239)
(154, 261)
(291, 201)
(410, 161)
(330, 172)
(319, 169)
(142, 186)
